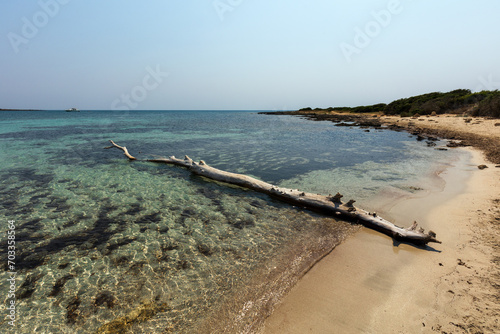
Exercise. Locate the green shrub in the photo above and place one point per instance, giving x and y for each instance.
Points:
(485, 103)
(489, 106)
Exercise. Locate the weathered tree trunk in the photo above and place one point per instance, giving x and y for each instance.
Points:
(331, 205)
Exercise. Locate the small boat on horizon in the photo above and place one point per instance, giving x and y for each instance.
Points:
(72, 109)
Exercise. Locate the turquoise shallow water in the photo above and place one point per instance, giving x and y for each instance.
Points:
(103, 243)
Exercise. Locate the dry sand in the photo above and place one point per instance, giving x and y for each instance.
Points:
(475, 125)
(369, 284)
(480, 132)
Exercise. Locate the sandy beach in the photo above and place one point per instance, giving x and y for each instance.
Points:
(371, 284)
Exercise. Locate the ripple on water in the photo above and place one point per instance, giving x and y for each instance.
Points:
(157, 251)
(105, 245)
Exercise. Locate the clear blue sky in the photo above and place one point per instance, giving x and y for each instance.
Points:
(242, 54)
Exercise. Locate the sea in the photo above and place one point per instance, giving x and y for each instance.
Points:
(94, 243)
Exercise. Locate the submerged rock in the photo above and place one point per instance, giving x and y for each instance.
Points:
(60, 284)
(72, 311)
(28, 286)
(142, 313)
(105, 297)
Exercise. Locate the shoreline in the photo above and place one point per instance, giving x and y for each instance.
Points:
(480, 132)
(368, 284)
(452, 291)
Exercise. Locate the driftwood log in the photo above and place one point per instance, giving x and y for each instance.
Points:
(331, 205)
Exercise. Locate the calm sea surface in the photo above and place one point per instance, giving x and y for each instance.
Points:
(107, 245)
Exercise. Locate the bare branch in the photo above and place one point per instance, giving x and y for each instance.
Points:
(123, 148)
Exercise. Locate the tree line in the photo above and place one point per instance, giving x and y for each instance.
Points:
(484, 103)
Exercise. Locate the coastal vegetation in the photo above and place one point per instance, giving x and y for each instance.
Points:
(460, 101)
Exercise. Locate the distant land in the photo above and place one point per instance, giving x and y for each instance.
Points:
(460, 101)
(20, 109)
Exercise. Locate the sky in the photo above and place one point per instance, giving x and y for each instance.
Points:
(242, 54)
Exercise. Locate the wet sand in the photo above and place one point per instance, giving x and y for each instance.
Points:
(370, 284)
